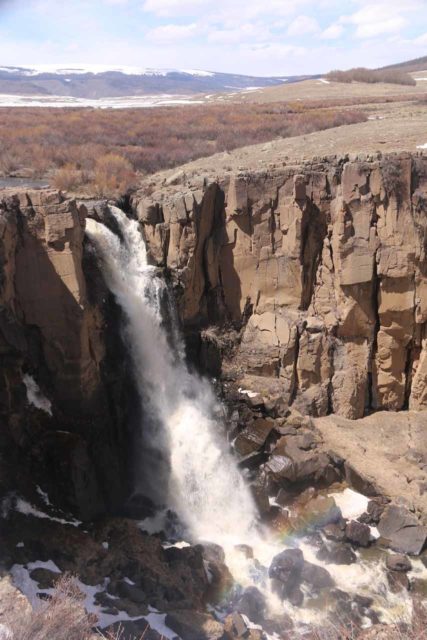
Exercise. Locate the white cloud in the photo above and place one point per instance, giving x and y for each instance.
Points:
(421, 40)
(302, 25)
(377, 18)
(167, 8)
(249, 32)
(332, 32)
(172, 32)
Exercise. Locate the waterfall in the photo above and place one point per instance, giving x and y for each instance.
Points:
(205, 487)
(203, 484)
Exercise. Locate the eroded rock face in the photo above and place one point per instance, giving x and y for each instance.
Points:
(323, 266)
(52, 328)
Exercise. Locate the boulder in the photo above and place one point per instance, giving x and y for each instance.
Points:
(131, 592)
(321, 511)
(252, 604)
(316, 577)
(402, 530)
(285, 572)
(131, 630)
(336, 553)
(44, 577)
(398, 563)
(287, 566)
(397, 581)
(253, 437)
(237, 626)
(194, 625)
(358, 533)
(335, 531)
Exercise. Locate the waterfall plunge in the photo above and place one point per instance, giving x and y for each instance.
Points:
(205, 486)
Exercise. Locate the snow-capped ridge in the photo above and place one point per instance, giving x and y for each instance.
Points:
(96, 69)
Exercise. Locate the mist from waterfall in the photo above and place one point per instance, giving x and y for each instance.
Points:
(205, 487)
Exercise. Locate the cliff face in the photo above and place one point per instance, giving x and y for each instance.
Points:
(51, 331)
(315, 275)
(323, 266)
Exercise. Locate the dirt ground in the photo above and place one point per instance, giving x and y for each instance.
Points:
(323, 90)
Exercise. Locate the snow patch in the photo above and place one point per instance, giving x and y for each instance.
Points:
(27, 509)
(323, 81)
(43, 495)
(248, 392)
(126, 102)
(96, 69)
(35, 396)
(351, 503)
(422, 146)
(5, 633)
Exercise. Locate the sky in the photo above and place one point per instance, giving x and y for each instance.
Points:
(254, 37)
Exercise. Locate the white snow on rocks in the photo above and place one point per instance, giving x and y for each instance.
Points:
(422, 146)
(351, 503)
(17, 503)
(22, 580)
(35, 396)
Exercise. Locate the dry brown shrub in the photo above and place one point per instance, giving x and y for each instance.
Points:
(68, 178)
(372, 76)
(113, 175)
(151, 139)
(61, 617)
(9, 162)
(391, 172)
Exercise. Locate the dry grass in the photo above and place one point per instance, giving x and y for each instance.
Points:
(61, 617)
(72, 142)
(372, 76)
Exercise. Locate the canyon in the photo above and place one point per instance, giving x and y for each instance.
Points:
(300, 292)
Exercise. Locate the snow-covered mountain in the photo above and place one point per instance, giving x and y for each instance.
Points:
(97, 81)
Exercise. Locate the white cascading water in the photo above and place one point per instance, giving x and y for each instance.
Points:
(205, 487)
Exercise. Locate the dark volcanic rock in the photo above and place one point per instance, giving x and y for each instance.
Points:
(253, 437)
(285, 571)
(397, 581)
(402, 529)
(335, 531)
(358, 533)
(336, 553)
(287, 566)
(316, 577)
(237, 626)
(252, 604)
(194, 625)
(45, 579)
(398, 563)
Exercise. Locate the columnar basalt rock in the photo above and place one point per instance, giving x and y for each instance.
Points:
(321, 265)
(50, 330)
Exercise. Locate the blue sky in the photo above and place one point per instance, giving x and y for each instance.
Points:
(268, 37)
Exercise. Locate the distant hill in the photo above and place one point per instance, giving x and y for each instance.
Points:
(418, 64)
(102, 82)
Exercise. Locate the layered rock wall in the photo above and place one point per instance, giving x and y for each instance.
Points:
(51, 331)
(323, 267)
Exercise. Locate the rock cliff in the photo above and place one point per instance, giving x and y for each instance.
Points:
(321, 266)
(51, 330)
